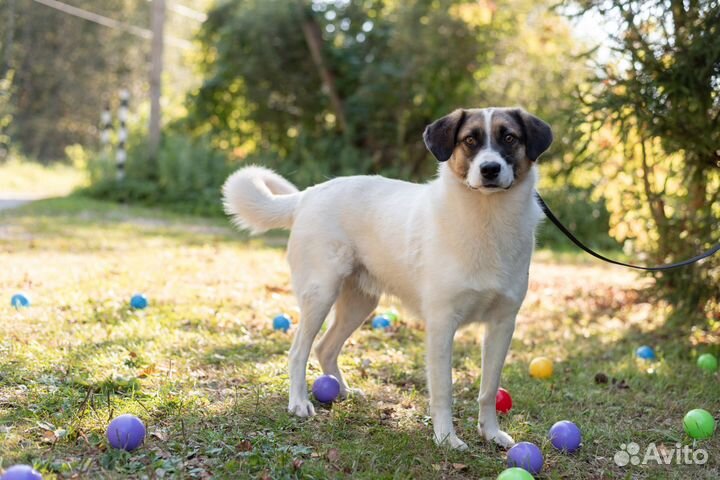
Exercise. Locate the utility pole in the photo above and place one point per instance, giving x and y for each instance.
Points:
(156, 69)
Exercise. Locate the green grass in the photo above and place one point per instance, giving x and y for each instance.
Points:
(36, 180)
(208, 376)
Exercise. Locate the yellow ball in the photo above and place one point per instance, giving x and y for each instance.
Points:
(541, 367)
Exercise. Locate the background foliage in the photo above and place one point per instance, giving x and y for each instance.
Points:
(652, 133)
(634, 165)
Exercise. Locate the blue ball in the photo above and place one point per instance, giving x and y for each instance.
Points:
(381, 322)
(19, 300)
(126, 432)
(138, 301)
(565, 436)
(526, 455)
(21, 472)
(645, 352)
(282, 322)
(326, 388)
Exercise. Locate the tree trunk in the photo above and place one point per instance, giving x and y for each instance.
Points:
(156, 68)
(9, 38)
(313, 38)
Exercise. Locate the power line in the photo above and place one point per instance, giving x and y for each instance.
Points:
(112, 23)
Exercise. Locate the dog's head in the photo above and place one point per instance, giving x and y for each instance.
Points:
(489, 149)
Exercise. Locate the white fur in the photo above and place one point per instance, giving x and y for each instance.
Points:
(259, 199)
(451, 254)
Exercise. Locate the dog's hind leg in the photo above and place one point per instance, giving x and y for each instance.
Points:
(352, 308)
(318, 270)
(315, 300)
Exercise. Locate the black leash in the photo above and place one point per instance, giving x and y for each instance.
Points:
(549, 214)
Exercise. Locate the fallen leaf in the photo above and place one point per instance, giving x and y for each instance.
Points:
(276, 289)
(459, 466)
(297, 464)
(149, 370)
(333, 455)
(245, 446)
(160, 435)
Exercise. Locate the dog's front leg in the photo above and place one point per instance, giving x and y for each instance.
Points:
(439, 368)
(498, 334)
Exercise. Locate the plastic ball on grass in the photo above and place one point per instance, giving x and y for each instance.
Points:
(20, 300)
(541, 367)
(138, 301)
(708, 362)
(282, 322)
(126, 432)
(526, 455)
(565, 436)
(503, 401)
(326, 388)
(381, 322)
(392, 314)
(21, 472)
(645, 352)
(699, 424)
(515, 473)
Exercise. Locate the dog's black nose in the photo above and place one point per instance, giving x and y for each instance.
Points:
(490, 170)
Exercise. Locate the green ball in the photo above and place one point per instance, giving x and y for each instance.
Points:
(699, 424)
(708, 362)
(515, 473)
(392, 315)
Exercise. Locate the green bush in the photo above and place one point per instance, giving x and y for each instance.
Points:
(186, 176)
(588, 219)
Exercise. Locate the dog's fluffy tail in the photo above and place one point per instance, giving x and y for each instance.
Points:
(259, 199)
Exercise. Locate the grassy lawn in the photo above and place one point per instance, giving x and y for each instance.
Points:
(31, 179)
(206, 373)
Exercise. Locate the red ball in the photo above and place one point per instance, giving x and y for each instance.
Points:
(503, 401)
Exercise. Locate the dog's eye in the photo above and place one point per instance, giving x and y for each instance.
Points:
(509, 139)
(469, 141)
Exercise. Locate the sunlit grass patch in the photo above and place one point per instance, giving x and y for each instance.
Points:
(36, 180)
(207, 374)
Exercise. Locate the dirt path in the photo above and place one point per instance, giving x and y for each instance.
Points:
(10, 200)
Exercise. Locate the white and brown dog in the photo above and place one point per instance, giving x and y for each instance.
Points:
(455, 250)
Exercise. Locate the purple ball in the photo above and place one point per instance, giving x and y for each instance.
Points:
(565, 436)
(527, 456)
(326, 388)
(126, 432)
(21, 472)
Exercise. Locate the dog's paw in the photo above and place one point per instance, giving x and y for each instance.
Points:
(302, 408)
(452, 441)
(351, 393)
(498, 437)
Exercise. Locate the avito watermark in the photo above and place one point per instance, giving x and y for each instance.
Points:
(660, 455)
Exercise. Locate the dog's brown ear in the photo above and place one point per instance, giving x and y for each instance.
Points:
(440, 136)
(538, 134)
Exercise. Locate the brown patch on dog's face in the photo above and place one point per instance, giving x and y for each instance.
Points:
(471, 137)
(509, 141)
